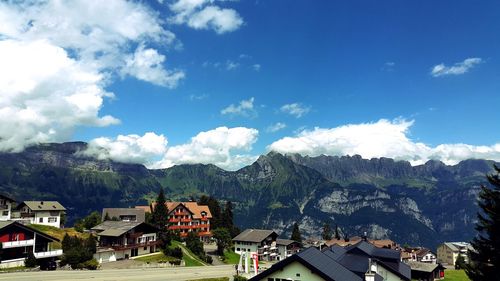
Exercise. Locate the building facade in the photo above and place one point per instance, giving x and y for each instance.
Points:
(124, 214)
(19, 240)
(185, 217)
(40, 212)
(265, 244)
(5, 207)
(448, 252)
(118, 240)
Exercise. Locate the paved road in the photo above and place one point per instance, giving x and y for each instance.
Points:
(150, 274)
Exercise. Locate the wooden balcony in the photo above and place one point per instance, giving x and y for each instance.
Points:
(130, 246)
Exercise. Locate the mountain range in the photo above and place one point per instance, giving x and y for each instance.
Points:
(417, 205)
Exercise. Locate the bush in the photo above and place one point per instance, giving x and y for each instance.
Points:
(239, 278)
(31, 261)
(208, 259)
(91, 264)
(175, 252)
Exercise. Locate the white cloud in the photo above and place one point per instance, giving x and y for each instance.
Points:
(276, 127)
(244, 108)
(256, 67)
(379, 139)
(146, 65)
(296, 109)
(225, 147)
(58, 57)
(456, 69)
(217, 146)
(128, 149)
(46, 94)
(231, 65)
(203, 14)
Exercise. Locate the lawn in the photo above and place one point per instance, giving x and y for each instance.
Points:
(58, 232)
(189, 261)
(159, 258)
(455, 275)
(231, 257)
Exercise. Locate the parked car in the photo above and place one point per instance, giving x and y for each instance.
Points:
(48, 265)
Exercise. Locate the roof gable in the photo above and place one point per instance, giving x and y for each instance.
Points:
(5, 225)
(255, 235)
(42, 206)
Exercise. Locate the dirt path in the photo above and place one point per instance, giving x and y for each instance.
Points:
(211, 250)
(187, 253)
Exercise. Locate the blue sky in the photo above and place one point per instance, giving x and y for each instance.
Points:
(403, 79)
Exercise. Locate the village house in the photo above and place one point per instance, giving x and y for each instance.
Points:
(423, 271)
(124, 214)
(380, 243)
(265, 244)
(19, 240)
(359, 262)
(5, 207)
(118, 240)
(418, 254)
(448, 252)
(185, 217)
(40, 212)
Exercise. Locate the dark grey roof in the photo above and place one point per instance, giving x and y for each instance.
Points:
(118, 212)
(254, 235)
(42, 206)
(114, 228)
(355, 258)
(422, 266)
(318, 263)
(5, 224)
(285, 242)
(7, 197)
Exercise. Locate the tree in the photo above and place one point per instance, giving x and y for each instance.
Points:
(88, 222)
(30, 260)
(337, 234)
(194, 244)
(78, 252)
(215, 209)
(484, 260)
(160, 220)
(296, 233)
(107, 217)
(223, 238)
(228, 220)
(327, 232)
(460, 262)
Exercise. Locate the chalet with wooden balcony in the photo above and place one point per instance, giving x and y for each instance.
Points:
(40, 212)
(5, 207)
(265, 244)
(185, 217)
(19, 240)
(118, 240)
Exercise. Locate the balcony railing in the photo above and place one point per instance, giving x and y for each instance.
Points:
(48, 254)
(130, 246)
(4, 207)
(15, 244)
(27, 215)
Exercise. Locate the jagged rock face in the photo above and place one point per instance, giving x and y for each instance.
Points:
(421, 205)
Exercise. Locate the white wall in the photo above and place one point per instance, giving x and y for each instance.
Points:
(42, 217)
(290, 273)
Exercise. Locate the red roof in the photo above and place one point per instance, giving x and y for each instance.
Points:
(192, 207)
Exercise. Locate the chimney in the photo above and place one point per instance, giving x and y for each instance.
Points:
(370, 275)
(364, 237)
(41, 202)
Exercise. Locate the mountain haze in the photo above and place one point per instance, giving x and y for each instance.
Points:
(424, 204)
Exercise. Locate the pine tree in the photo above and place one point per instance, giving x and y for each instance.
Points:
(327, 232)
(106, 217)
(485, 258)
(160, 219)
(296, 233)
(337, 234)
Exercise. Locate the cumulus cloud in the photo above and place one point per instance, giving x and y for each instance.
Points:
(220, 146)
(58, 57)
(276, 127)
(203, 14)
(296, 109)
(231, 65)
(456, 69)
(256, 67)
(379, 139)
(146, 64)
(225, 147)
(128, 148)
(244, 108)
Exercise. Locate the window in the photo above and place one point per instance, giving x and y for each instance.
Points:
(54, 219)
(40, 220)
(5, 213)
(238, 249)
(297, 274)
(145, 248)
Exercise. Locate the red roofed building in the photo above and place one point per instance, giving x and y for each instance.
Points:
(184, 217)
